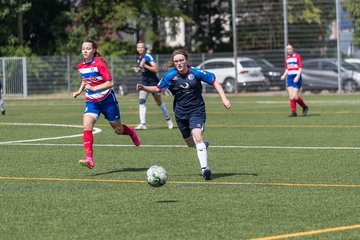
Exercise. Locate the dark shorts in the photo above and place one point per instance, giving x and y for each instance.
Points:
(291, 83)
(149, 81)
(194, 121)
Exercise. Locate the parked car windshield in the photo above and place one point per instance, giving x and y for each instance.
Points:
(248, 63)
(264, 63)
(350, 66)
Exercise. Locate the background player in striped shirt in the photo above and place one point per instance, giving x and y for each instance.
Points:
(100, 99)
(293, 69)
(2, 103)
(148, 68)
(184, 82)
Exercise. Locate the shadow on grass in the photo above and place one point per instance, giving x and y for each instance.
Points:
(222, 175)
(120, 170)
(168, 201)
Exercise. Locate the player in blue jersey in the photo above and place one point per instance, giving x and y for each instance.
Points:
(184, 82)
(2, 104)
(148, 68)
(100, 99)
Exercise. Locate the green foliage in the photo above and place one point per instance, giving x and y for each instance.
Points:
(261, 25)
(353, 9)
(9, 41)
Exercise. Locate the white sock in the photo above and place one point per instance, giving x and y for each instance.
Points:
(202, 154)
(2, 104)
(165, 111)
(142, 113)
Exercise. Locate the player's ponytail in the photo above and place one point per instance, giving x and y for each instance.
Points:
(170, 63)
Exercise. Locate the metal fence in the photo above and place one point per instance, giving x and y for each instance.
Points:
(57, 74)
(262, 31)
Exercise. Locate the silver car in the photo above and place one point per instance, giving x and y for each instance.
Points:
(322, 74)
(249, 73)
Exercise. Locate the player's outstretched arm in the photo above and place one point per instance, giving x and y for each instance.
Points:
(221, 92)
(149, 89)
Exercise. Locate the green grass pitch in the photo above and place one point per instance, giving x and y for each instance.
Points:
(274, 177)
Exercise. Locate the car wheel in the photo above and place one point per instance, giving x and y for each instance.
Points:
(316, 91)
(349, 86)
(265, 86)
(229, 85)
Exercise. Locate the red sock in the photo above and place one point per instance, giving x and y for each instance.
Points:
(300, 102)
(293, 105)
(88, 140)
(127, 130)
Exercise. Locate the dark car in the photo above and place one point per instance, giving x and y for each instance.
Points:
(271, 73)
(322, 74)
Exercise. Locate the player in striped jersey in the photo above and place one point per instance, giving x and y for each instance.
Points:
(100, 99)
(293, 69)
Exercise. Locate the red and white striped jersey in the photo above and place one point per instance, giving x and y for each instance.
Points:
(95, 73)
(293, 63)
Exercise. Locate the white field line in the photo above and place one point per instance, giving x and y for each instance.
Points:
(179, 146)
(95, 131)
(98, 130)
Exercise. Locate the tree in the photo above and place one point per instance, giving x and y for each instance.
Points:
(353, 9)
(11, 37)
(261, 23)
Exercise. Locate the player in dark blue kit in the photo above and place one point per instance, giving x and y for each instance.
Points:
(148, 68)
(184, 82)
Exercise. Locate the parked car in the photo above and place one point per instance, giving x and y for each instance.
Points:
(249, 73)
(271, 73)
(353, 61)
(322, 74)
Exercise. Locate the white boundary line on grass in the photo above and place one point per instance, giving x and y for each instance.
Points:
(98, 130)
(95, 131)
(176, 146)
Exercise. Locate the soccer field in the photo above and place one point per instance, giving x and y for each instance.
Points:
(274, 177)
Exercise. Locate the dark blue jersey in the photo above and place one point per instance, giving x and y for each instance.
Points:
(187, 90)
(147, 75)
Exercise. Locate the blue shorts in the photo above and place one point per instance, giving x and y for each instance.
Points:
(149, 81)
(291, 83)
(194, 121)
(109, 107)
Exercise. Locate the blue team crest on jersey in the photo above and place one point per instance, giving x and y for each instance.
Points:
(191, 76)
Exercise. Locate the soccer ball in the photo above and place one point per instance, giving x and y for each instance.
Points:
(156, 176)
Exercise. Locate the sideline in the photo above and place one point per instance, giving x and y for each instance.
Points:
(23, 143)
(299, 234)
(14, 178)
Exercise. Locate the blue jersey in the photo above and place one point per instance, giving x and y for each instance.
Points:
(187, 90)
(147, 75)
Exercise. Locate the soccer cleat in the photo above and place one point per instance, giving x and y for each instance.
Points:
(134, 137)
(206, 173)
(293, 114)
(305, 110)
(87, 162)
(141, 127)
(3, 112)
(206, 144)
(170, 124)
